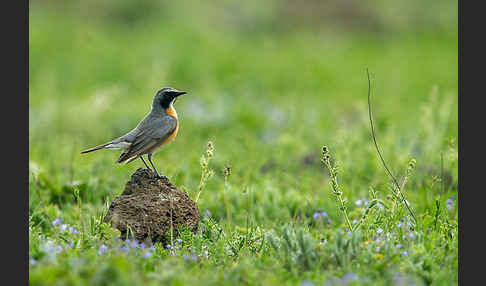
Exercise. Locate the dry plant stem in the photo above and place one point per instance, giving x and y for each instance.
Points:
(226, 202)
(171, 227)
(206, 171)
(379, 153)
(401, 188)
(335, 189)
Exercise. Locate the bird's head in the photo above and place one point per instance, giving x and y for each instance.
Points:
(167, 96)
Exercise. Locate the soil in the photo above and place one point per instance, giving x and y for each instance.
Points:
(150, 207)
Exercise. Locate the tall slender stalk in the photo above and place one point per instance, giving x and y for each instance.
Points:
(379, 153)
(326, 159)
(206, 171)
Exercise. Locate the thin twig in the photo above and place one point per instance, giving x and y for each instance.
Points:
(379, 153)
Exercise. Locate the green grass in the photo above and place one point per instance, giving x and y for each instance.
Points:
(269, 100)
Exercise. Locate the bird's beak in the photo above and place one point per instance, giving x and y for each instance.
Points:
(179, 93)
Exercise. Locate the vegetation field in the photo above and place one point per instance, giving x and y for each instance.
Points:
(270, 83)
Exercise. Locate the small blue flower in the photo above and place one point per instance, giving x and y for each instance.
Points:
(32, 261)
(323, 214)
(449, 202)
(179, 240)
(404, 253)
(359, 203)
(380, 206)
(399, 225)
(73, 230)
(348, 232)
(402, 219)
(102, 249)
(208, 213)
(134, 244)
(147, 254)
(317, 215)
(365, 202)
(167, 246)
(379, 231)
(355, 221)
(58, 248)
(194, 257)
(185, 257)
(410, 235)
(125, 249)
(399, 246)
(151, 248)
(57, 221)
(409, 224)
(350, 276)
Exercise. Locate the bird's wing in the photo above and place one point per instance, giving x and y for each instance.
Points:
(150, 132)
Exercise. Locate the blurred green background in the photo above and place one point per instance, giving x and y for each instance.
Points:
(269, 82)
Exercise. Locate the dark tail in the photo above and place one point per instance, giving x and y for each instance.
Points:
(95, 148)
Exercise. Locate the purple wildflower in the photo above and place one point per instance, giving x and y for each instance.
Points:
(208, 213)
(379, 231)
(359, 203)
(73, 230)
(57, 221)
(355, 221)
(323, 214)
(63, 227)
(348, 277)
(399, 225)
(317, 215)
(32, 261)
(404, 253)
(179, 240)
(147, 254)
(399, 246)
(102, 249)
(134, 244)
(167, 246)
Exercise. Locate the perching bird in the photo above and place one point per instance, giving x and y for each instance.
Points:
(158, 128)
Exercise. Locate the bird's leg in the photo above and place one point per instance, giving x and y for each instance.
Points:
(149, 156)
(141, 157)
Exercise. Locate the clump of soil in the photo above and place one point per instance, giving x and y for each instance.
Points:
(150, 207)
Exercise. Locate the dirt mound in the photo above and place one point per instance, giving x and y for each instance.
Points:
(150, 206)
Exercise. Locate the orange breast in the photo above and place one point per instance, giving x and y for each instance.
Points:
(171, 111)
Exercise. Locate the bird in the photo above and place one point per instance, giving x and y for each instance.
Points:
(158, 128)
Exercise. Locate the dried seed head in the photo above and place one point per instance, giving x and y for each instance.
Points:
(227, 171)
(210, 149)
(325, 150)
